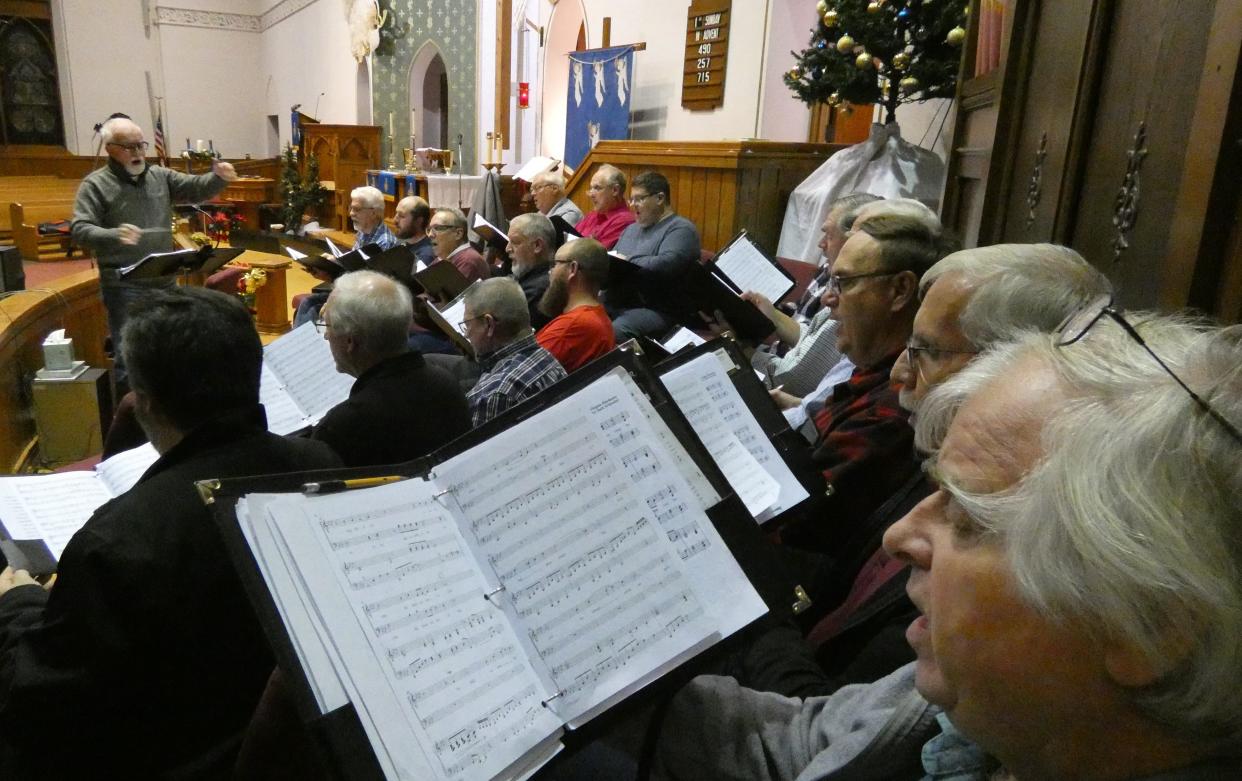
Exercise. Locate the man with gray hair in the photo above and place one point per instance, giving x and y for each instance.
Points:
(1077, 573)
(449, 239)
(122, 212)
(611, 214)
(532, 242)
(366, 215)
(399, 407)
(548, 189)
(512, 364)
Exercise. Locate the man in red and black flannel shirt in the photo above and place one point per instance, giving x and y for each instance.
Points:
(865, 445)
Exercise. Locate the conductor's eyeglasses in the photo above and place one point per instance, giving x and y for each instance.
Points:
(137, 146)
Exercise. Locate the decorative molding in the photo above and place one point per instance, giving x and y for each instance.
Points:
(1035, 187)
(1126, 205)
(282, 11)
(213, 20)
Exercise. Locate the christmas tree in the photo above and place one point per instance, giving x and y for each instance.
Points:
(880, 51)
(299, 193)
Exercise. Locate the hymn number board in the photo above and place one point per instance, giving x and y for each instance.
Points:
(707, 50)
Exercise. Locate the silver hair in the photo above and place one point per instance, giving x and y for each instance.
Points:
(905, 207)
(457, 215)
(371, 197)
(503, 299)
(536, 226)
(849, 206)
(107, 130)
(1018, 287)
(374, 309)
(613, 175)
(553, 178)
(1128, 525)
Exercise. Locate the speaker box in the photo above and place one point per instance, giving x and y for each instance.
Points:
(12, 274)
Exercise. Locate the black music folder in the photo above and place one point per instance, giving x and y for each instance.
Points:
(207, 260)
(260, 241)
(710, 294)
(519, 582)
(730, 409)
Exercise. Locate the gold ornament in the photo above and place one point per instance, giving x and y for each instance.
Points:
(909, 84)
(873, 8)
(845, 44)
(830, 19)
(793, 73)
(955, 36)
(901, 61)
(864, 61)
(822, 7)
(834, 99)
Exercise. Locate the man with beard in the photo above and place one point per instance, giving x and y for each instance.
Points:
(410, 220)
(122, 214)
(532, 240)
(581, 330)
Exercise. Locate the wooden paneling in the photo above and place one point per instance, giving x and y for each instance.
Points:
(72, 303)
(721, 186)
(345, 154)
(55, 161)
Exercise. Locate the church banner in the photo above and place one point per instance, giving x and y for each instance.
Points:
(599, 99)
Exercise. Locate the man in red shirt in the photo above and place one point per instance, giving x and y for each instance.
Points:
(612, 214)
(581, 330)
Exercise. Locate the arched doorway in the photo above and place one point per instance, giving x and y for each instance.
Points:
(566, 33)
(429, 97)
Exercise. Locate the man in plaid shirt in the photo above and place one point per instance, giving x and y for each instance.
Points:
(865, 445)
(513, 365)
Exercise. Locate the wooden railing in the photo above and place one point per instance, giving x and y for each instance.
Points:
(721, 186)
(26, 318)
(55, 161)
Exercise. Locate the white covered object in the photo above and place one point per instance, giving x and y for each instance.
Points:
(885, 165)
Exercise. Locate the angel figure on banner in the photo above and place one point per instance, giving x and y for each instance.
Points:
(577, 83)
(623, 79)
(592, 134)
(598, 67)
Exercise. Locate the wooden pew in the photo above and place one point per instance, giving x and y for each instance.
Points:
(34, 190)
(25, 219)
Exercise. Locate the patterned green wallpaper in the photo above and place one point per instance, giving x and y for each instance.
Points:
(451, 25)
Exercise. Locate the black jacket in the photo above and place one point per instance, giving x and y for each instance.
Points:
(397, 410)
(146, 653)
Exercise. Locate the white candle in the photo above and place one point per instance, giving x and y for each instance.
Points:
(200, 145)
(390, 123)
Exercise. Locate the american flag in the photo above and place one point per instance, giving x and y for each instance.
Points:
(159, 136)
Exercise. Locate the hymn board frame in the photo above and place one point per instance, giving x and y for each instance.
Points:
(707, 54)
(340, 734)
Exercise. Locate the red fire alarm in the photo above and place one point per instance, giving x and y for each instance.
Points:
(523, 94)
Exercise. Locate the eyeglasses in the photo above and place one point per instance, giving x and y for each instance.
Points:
(462, 325)
(641, 198)
(138, 146)
(559, 262)
(835, 280)
(1078, 324)
(934, 353)
(442, 228)
(321, 325)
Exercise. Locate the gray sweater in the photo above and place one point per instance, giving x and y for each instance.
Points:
(108, 197)
(664, 251)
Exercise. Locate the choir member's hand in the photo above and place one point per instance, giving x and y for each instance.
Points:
(224, 170)
(784, 400)
(761, 303)
(716, 323)
(128, 234)
(11, 578)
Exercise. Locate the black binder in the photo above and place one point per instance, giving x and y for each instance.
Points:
(340, 732)
(710, 293)
(791, 445)
(206, 260)
(259, 241)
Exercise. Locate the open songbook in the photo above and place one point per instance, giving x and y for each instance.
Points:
(705, 382)
(52, 508)
(745, 267)
(300, 383)
(545, 568)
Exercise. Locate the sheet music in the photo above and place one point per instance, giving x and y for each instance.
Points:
(682, 337)
(120, 472)
(419, 265)
(454, 312)
(551, 505)
(747, 267)
(294, 253)
(53, 506)
(440, 670)
(335, 250)
(535, 166)
(283, 415)
(302, 363)
(479, 222)
(708, 399)
(757, 489)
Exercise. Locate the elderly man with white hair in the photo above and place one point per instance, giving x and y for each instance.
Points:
(366, 215)
(548, 189)
(399, 408)
(1078, 573)
(122, 212)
